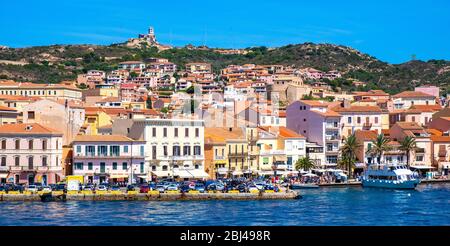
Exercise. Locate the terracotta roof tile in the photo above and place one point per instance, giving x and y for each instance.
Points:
(33, 128)
(412, 94)
(102, 138)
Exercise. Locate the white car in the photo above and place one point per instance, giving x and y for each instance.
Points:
(102, 188)
(260, 186)
(253, 188)
(47, 189)
(172, 187)
(32, 188)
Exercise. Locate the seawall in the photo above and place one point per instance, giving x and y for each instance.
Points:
(152, 197)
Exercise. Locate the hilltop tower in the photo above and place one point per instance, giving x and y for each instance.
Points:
(151, 35)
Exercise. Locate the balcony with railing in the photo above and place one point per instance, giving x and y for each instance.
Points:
(237, 155)
(332, 138)
(367, 126)
(334, 125)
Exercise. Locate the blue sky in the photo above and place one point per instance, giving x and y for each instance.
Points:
(389, 30)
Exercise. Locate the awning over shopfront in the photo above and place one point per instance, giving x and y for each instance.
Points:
(161, 173)
(280, 158)
(237, 173)
(423, 167)
(197, 173)
(118, 176)
(182, 174)
(3, 175)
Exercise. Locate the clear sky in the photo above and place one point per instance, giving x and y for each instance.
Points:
(390, 30)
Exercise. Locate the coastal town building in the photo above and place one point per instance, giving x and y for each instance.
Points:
(109, 158)
(30, 153)
(61, 91)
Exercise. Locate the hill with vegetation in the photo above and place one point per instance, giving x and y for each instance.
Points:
(51, 64)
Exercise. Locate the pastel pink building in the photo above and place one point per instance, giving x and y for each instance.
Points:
(30, 153)
(430, 90)
(109, 158)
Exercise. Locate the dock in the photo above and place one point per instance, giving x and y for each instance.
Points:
(290, 195)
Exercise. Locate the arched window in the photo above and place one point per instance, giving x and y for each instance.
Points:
(164, 168)
(3, 143)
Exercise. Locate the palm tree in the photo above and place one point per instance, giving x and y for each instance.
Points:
(380, 145)
(304, 163)
(408, 145)
(348, 152)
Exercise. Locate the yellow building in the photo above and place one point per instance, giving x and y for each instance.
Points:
(230, 151)
(48, 91)
(95, 118)
(109, 92)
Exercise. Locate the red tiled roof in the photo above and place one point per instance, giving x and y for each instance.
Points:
(33, 128)
(412, 94)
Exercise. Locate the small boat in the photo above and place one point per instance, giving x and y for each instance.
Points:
(391, 176)
(303, 186)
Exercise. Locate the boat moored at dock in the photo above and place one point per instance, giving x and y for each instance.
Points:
(391, 176)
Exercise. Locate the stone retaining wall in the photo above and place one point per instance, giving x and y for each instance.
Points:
(158, 197)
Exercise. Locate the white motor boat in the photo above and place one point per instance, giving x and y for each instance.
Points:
(391, 176)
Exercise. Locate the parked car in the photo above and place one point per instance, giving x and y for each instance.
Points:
(46, 188)
(60, 187)
(115, 188)
(102, 188)
(144, 188)
(88, 187)
(200, 187)
(32, 188)
(185, 188)
(253, 188)
(131, 187)
(160, 188)
(172, 187)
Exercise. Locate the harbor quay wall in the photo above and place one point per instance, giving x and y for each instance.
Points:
(155, 197)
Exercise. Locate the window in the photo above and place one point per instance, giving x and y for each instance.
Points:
(376, 120)
(332, 159)
(125, 149)
(44, 161)
(176, 150)
(31, 115)
(413, 118)
(358, 120)
(141, 150)
(79, 166)
(114, 165)
(165, 132)
(30, 163)
(78, 148)
(142, 167)
(114, 150)
(102, 150)
(175, 132)
(304, 120)
(124, 166)
(44, 144)
(30, 144)
(186, 132)
(426, 120)
(164, 168)
(197, 150)
(329, 147)
(165, 150)
(154, 132)
(17, 143)
(4, 144)
(17, 161)
(367, 120)
(102, 167)
(419, 158)
(3, 161)
(349, 120)
(154, 152)
(90, 151)
(187, 150)
(90, 166)
(153, 168)
(197, 166)
(197, 132)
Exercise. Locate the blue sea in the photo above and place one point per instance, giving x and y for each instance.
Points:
(428, 205)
